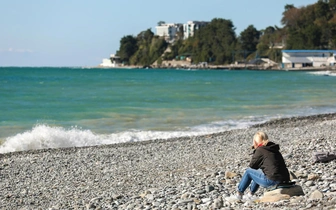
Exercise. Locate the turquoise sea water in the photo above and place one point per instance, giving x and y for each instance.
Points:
(64, 107)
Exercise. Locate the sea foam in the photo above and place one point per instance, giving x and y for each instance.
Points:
(324, 73)
(44, 136)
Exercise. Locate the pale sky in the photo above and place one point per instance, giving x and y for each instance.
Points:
(83, 32)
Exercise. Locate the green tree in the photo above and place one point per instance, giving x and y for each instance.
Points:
(249, 39)
(290, 16)
(266, 40)
(312, 36)
(295, 40)
(332, 6)
(213, 43)
(145, 37)
(322, 10)
(128, 46)
(148, 48)
(271, 38)
(156, 49)
(332, 32)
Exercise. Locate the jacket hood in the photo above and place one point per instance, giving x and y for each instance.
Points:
(272, 147)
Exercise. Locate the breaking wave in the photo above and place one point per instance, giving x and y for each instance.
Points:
(324, 73)
(44, 136)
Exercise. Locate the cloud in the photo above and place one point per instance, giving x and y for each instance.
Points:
(14, 50)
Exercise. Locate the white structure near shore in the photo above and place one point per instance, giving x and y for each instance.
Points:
(112, 62)
(308, 58)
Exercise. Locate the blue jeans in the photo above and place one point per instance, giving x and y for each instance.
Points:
(256, 178)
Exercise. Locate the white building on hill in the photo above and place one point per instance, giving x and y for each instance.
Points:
(308, 58)
(168, 30)
(191, 26)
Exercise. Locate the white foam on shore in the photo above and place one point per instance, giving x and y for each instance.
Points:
(44, 136)
(324, 73)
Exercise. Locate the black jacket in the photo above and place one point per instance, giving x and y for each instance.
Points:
(269, 159)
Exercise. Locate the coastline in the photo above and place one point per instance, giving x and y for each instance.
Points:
(223, 67)
(167, 174)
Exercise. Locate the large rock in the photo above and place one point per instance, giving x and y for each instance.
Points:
(282, 194)
(274, 198)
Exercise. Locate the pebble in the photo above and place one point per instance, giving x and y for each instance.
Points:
(309, 183)
(197, 172)
(316, 195)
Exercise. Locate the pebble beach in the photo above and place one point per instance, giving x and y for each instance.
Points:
(189, 173)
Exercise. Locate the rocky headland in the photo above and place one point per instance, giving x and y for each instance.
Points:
(198, 172)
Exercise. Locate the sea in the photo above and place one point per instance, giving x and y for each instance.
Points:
(57, 107)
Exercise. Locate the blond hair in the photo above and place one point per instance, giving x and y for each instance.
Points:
(261, 138)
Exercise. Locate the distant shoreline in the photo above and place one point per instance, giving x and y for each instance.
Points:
(210, 67)
(225, 67)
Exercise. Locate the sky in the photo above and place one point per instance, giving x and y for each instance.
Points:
(82, 32)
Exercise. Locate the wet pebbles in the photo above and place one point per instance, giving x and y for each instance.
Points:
(185, 173)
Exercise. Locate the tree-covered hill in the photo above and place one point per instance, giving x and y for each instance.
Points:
(309, 27)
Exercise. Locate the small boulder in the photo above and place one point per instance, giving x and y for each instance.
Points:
(274, 198)
(281, 194)
(296, 190)
(316, 195)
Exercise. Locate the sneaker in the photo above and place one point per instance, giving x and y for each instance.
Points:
(235, 198)
(250, 197)
(239, 196)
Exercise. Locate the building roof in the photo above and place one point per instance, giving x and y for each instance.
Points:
(298, 60)
(308, 51)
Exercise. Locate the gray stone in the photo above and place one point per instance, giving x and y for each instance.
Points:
(209, 188)
(150, 196)
(186, 201)
(309, 183)
(218, 203)
(186, 196)
(206, 200)
(200, 191)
